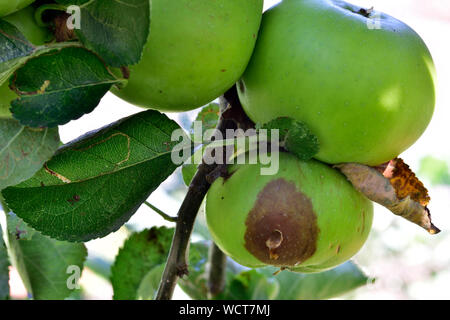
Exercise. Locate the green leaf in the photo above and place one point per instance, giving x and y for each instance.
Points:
(150, 284)
(23, 151)
(14, 49)
(251, 285)
(240, 283)
(188, 172)
(208, 117)
(43, 263)
(116, 30)
(18, 228)
(4, 269)
(189, 168)
(260, 283)
(94, 184)
(315, 286)
(195, 284)
(59, 86)
(141, 253)
(295, 136)
(435, 170)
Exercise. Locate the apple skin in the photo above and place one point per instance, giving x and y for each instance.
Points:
(197, 49)
(24, 21)
(323, 219)
(9, 6)
(368, 94)
(6, 96)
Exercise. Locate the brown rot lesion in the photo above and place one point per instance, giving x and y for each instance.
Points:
(282, 226)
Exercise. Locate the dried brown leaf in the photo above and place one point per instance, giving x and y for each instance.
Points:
(394, 186)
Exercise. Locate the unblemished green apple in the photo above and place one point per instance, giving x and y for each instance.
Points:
(363, 81)
(307, 217)
(197, 49)
(10, 6)
(24, 21)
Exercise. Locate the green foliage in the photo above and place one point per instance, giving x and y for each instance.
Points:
(91, 186)
(250, 285)
(295, 136)
(116, 30)
(43, 263)
(196, 283)
(150, 283)
(208, 117)
(16, 50)
(435, 170)
(47, 99)
(4, 269)
(94, 184)
(13, 48)
(314, 286)
(261, 283)
(141, 253)
(23, 151)
(188, 170)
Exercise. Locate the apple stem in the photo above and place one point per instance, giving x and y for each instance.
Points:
(366, 12)
(273, 242)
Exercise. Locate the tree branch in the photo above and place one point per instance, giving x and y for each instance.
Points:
(217, 271)
(177, 266)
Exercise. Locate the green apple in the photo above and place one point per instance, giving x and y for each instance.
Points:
(10, 6)
(363, 81)
(24, 21)
(307, 217)
(197, 49)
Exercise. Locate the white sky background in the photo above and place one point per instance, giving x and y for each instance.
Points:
(431, 19)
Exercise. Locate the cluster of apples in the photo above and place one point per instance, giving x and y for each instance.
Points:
(361, 80)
